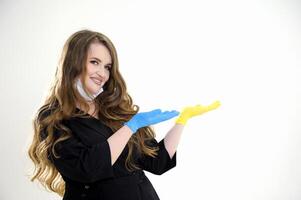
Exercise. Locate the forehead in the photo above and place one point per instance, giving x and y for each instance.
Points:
(100, 51)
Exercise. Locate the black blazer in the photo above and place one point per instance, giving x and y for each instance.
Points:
(85, 165)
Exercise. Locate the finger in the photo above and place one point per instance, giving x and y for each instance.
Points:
(168, 115)
(197, 110)
(214, 105)
(175, 111)
(171, 112)
(154, 112)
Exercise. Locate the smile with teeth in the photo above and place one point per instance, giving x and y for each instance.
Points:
(96, 81)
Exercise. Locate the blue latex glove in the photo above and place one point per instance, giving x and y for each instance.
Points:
(148, 118)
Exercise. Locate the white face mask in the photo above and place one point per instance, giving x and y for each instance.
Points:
(82, 92)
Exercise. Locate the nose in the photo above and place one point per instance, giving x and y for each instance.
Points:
(101, 72)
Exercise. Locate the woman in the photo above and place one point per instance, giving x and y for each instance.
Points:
(89, 140)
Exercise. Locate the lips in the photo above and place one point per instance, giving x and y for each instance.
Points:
(96, 80)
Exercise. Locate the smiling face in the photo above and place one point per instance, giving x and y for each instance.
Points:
(98, 66)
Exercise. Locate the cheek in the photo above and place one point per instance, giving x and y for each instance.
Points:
(90, 69)
(89, 82)
(108, 74)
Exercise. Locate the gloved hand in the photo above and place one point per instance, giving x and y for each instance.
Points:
(192, 111)
(148, 118)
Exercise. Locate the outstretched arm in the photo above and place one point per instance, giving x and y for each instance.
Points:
(173, 136)
(172, 139)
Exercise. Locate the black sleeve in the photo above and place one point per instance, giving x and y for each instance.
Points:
(83, 163)
(161, 163)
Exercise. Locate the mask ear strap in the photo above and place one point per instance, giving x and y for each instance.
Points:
(100, 91)
(82, 92)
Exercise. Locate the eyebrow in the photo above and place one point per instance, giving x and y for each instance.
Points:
(99, 60)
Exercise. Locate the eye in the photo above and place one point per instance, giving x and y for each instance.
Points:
(93, 61)
(109, 67)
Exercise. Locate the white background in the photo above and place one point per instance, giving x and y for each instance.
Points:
(172, 54)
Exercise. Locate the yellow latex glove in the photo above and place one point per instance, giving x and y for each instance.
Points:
(191, 111)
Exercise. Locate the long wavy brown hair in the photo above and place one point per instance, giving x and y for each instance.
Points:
(114, 107)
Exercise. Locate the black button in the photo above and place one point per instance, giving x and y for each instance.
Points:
(87, 186)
